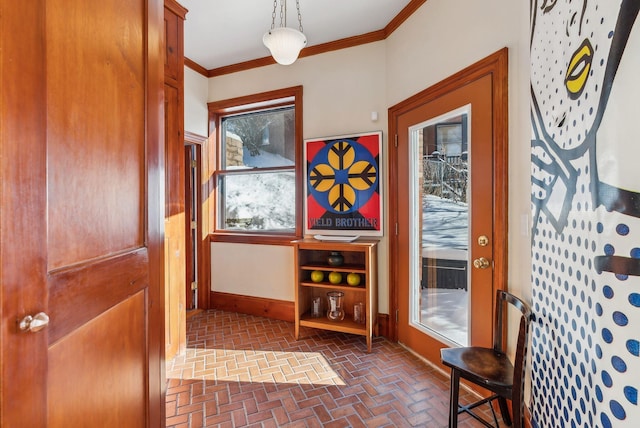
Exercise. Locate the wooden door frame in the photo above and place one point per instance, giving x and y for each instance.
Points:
(495, 65)
(203, 245)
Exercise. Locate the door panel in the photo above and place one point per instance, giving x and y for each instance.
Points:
(83, 217)
(94, 154)
(120, 371)
(477, 89)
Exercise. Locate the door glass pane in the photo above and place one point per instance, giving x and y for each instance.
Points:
(440, 150)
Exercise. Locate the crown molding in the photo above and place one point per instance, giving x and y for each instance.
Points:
(348, 42)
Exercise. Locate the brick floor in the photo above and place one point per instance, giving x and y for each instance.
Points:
(247, 371)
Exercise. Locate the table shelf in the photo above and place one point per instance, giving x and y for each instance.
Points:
(360, 257)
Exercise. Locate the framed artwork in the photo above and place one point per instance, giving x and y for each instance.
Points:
(343, 185)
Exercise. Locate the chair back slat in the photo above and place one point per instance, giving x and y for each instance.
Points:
(504, 298)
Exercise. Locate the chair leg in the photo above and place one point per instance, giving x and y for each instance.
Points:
(504, 410)
(453, 399)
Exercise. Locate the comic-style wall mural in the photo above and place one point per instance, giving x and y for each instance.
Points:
(585, 117)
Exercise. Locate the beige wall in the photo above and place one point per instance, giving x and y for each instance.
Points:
(445, 36)
(195, 103)
(342, 88)
(232, 275)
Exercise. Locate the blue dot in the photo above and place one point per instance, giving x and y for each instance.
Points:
(633, 346)
(598, 309)
(598, 351)
(599, 393)
(606, 423)
(606, 379)
(607, 291)
(635, 253)
(609, 250)
(622, 229)
(620, 318)
(577, 417)
(606, 335)
(618, 364)
(634, 299)
(632, 394)
(617, 410)
(599, 227)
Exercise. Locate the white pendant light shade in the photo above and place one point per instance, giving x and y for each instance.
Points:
(285, 44)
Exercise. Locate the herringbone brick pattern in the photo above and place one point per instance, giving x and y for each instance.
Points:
(246, 371)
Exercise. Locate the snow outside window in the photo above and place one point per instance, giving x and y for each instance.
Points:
(257, 175)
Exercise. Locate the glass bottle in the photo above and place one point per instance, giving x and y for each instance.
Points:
(335, 311)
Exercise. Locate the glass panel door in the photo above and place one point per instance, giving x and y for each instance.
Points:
(439, 204)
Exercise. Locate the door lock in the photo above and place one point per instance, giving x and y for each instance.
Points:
(481, 263)
(483, 240)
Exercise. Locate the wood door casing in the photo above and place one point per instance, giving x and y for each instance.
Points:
(174, 226)
(203, 202)
(444, 97)
(82, 212)
(175, 215)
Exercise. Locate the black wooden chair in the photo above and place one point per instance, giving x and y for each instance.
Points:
(491, 368)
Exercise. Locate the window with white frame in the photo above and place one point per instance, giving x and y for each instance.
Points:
(257, 178)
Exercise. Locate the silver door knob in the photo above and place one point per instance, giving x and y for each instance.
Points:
(34, 323)
(481, 263)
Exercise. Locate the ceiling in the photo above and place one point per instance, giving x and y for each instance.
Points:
(222, 33)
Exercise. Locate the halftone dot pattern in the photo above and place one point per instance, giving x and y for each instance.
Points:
(585, 284)
(566, 337)
(620, 314)
(585, 341)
